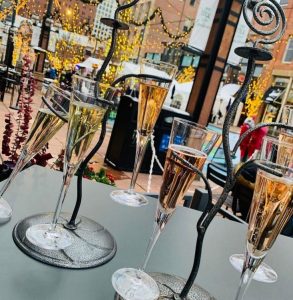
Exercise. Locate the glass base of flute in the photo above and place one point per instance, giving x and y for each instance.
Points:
(151, 96)
(130, 197)
(53, 236)
(86, 112)
(49, 238)
(44, 127)
(5, 211)
(183, 155)
(135, 284)
(264, 273)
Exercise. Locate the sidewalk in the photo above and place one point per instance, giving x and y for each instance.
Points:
(57, 143)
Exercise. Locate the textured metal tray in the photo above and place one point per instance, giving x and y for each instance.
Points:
(170, 287)
(92, 246)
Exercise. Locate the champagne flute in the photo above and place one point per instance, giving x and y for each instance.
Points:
(85, 115)
(152, 95)
(286, 135)
(44, 127)
(192, 143)
(280, 151)
(271, 207)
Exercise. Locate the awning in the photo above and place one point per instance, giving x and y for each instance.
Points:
(89, 62)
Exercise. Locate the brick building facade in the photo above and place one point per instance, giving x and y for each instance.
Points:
(178, 17)
(64, 8)
(280, 88)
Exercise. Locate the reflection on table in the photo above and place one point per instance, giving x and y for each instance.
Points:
(35, 191)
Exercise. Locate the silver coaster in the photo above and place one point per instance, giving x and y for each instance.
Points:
(171, 286)
(92, 245)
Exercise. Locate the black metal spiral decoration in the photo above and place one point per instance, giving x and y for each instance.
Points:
(266, 13)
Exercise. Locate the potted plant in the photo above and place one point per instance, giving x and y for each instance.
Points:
(15, 135)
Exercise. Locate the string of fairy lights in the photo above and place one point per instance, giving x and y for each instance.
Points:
(35, 7)
(7, 9)
(154, 24)
(158, 12)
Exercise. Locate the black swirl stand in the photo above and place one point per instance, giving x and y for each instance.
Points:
(93, 245)
(90, 250)
(174, 287)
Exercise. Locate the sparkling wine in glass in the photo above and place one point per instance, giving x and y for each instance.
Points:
(85, 115)
(272, 207)
(281, 153)
(45, 126)
(152, 94)
(189, 145)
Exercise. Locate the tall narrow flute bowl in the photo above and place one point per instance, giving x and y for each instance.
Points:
(45, 126)
(188, 147)
(272, 150)
(152, 95)
(271, 207)
(85, 115)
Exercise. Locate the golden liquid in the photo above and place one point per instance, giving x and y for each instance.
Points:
(84, 121)
(285, 152)
(177, 177)
(151, 99)
(272, 206)
(45, 126)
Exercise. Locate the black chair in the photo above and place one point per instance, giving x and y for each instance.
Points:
(2, 84)
(12, 82)
(198, 201)
(15, 86)
(218, 174)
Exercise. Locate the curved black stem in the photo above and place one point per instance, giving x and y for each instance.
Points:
(198, 172)
(154, 77)
(200, 229)
(226, 140)
(123, 7)
(196, 263)
(54, 111)
(71, 224)
(211, 211)
(113, 40)
(109, 55)
(231, 114)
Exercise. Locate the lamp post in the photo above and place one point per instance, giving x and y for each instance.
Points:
(44, 37)
(10, 42)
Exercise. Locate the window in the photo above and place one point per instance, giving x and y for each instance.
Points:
(192, 2)
(186, 61)
(283, 2)
(288, 57)
(154, 56)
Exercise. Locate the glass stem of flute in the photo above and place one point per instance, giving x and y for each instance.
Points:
(141, 145)
(250, 266)
(65, 185)
(161, 221)
(20, 164)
